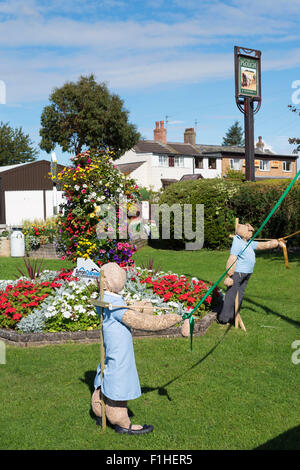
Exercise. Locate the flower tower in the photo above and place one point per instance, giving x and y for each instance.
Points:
(91, 183)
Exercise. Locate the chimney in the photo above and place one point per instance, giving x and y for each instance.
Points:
(160, 133)
(260, 145)
(190, 136)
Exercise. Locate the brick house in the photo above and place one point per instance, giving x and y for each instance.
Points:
(157, 163)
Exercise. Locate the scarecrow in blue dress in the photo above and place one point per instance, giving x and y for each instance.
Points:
(120, 381)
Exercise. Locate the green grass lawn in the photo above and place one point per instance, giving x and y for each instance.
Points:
(236, 390)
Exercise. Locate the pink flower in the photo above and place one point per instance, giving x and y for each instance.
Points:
(83, 191)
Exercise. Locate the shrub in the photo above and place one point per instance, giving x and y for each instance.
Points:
(255, 200)
(216, 195)
(224, 200)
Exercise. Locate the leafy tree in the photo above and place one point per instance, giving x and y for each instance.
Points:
(295, 140)
(15, 146)
(84, 115)
(234, 136)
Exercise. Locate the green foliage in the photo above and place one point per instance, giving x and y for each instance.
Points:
(255, 200)
(234, 136)
(85, 115)
(235, 175)
(15, 146)
(216, 195)
(224, 200)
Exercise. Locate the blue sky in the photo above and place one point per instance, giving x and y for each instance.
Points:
(164, 58)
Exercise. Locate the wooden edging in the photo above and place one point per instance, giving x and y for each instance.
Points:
(14, 338)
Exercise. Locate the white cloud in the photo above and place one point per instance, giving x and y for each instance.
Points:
(40, 50)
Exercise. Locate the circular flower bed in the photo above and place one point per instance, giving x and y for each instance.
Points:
(57, 301)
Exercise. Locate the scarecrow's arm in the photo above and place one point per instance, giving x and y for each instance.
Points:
(269, 245)
(142, 319)
(231, 263)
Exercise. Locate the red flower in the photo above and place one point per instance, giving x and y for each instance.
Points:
(17, 316)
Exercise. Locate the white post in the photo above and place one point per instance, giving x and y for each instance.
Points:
(53, 172)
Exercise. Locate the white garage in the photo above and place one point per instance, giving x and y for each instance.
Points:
(26, 193)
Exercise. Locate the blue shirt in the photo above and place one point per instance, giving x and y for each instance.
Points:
(120, 377)
(246, 261)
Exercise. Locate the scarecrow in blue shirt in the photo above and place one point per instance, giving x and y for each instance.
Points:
(120, 381)
(241, 269)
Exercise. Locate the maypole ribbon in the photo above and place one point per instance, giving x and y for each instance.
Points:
(189, 315)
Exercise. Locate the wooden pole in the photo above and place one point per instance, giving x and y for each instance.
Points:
(102, 352)
(238, 318)
(286, 260)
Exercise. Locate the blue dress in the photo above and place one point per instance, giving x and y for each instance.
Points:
(120, 378)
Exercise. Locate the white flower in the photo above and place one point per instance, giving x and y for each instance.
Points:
(66, 314)
(173, 304)
(76, 187)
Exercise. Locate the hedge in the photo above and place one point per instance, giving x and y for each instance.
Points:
(224, 200)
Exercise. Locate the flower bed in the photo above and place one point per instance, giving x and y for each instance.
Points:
(39, 233)
(58, 302)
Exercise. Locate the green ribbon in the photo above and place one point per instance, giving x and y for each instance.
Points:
(189, 314)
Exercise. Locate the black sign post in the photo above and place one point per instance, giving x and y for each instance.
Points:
(247, 67)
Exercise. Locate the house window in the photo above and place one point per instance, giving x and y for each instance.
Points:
(162, 160)
(235, 164)
(171, 161)
(264, 165)
(199, 163)
(287, 166)
(212, 163)
(179, 161)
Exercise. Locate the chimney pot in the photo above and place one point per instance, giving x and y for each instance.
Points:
(190, 136)
(160, 134)
(260, 144)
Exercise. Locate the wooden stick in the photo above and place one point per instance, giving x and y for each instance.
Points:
(100, 303)
(255, 239)
(288, 236)
(236, 308)
(238, 318)
(286, 260)
(102, 353)
(236, 223)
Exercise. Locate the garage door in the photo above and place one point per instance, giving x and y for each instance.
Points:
(23, 205)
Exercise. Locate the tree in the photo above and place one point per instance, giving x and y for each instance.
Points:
(234, 136)
(84, 115)
(295, 140)
(15, 146)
